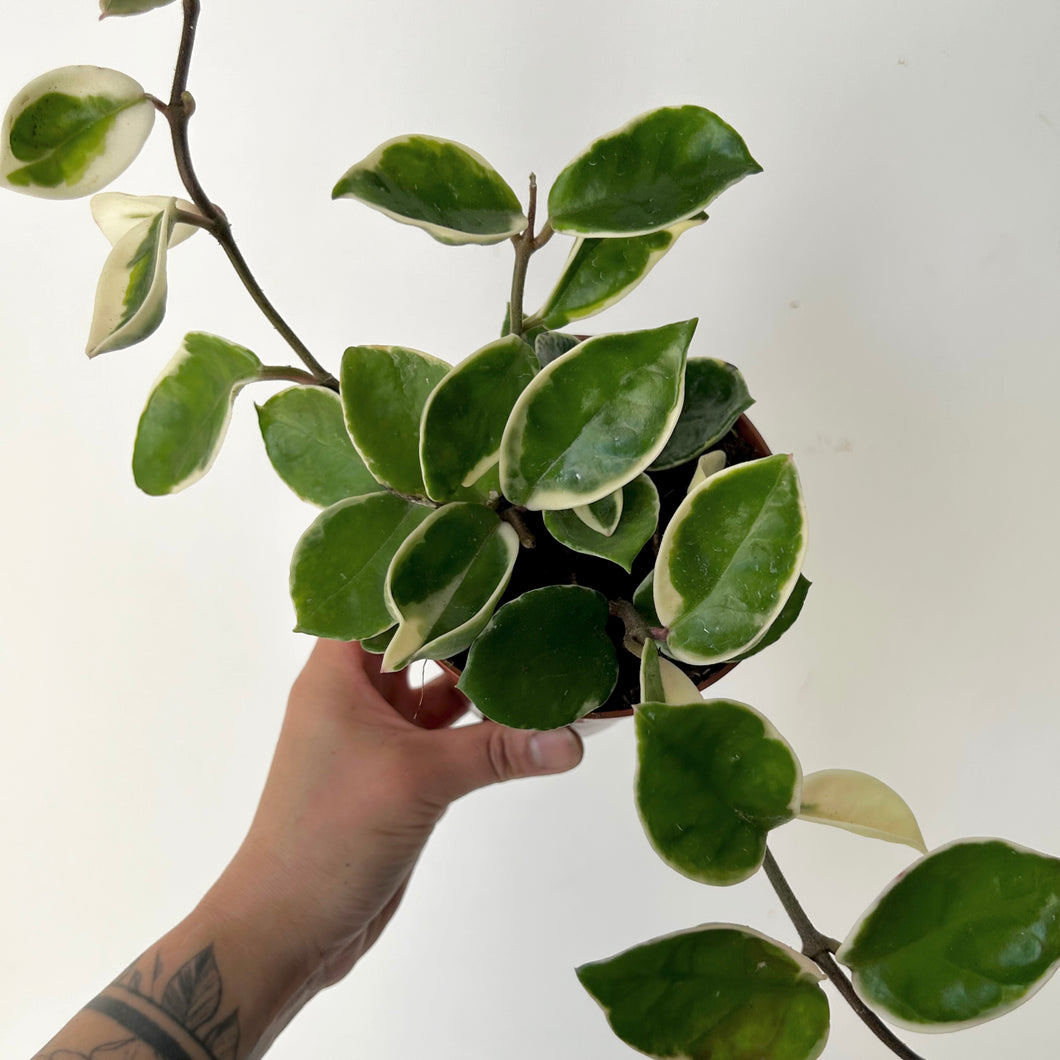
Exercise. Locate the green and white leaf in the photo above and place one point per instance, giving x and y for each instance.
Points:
(858, 802)
(339, 568)
(708, 464)
(729, 560)
(71, 131)
(544, 660)
(441, 186)
(595, 418)
(445, 581)
(129, 7)
(308, 445)
(663, 682)
(549, 345)
(661, 168)
(712, 992)
(184, 423)
(713, 778)
(968, 933)
(603, 515)
(637, 523)
(784, 621)
(117, 213)
(384, 391)
(465, 415)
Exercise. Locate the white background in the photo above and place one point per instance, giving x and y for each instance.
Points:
(888, 286)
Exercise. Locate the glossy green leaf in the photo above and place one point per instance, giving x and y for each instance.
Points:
(308, 445)
(378, 644)
(552, 344)
(601, 272)
(117, 213)
(131, 294)
(338, 572)
(445, 581)
(715, 395)
(441, 186)
(708, 464)
(968, 933)
(544, 660)
(602, 516)
(595, 418)
(644, 600)
(129, 7)
(71, 131)
(729, 560)
(384, 391)
(712, 779)
(661, 168)
(785, 620)
(716, 992)
(639, 518)
(464, 418)
(187, 414)
(651, 685)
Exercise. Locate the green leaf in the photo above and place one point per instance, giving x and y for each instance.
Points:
(661, 168)
(71, 131)
(708, 464)
(377, 645)
(712, 779)
(715, 395)
(384, 391)
(131, 295)
(117, 213)
(644, 600)
(729, 559)
(464, 417)
(129, 7)
(552, 344)
(544, 660)
(445, 581)
(663, 682)
(601, 272)
(639, 518)
(441, 186)
(338, 572)
(968, 933)
(785, 620)
(716, 992)
(595, 418)
(187, 414)
(651, 686)
(602, 516)
(307, 443)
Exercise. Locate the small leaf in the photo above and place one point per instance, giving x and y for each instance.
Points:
(193, 995)
(71, 131)
(661, 168)
(713, 778)
(785, 620)
(713, 991)
(859, 803)
(644, 600)
(441, 186)
(117, 213)
(707, 465)
(677, 685)
(306, 440)
(129, 7)
(552, 344)
(968, 933)
(651, 686)
(602, 516)
(222, 1042)
(378, 644)
(544, 660)
(184, 422)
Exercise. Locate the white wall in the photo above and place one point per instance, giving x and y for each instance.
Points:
(888, 286)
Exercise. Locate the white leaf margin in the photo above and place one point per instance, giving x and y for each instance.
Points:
(116, 213)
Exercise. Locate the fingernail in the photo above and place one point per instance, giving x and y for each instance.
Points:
(555, 751)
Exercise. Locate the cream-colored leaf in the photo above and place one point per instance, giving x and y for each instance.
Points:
(707, 465)
(117, 213)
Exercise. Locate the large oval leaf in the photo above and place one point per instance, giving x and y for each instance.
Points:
(659, 169)
(595, 418)
(71, 131)
(186, 416)
(729, 560)
(713, 991)
(969, 932)
(544, 660)
(438, 185)
(117, 213)
(445, 580)
(712, 779)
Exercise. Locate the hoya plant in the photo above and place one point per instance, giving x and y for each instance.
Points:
(576, 524)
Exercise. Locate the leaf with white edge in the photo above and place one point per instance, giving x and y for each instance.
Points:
(544, 660)
(729, 559)
(129, 7)
(71, 131)
(464, 418)
(784, 621)
(186, 416)
(443, 187)
(117, 213)
(552, 344)
(445, 581)
(384, 391)
(678, 687)
(377, 645)
(858, 802)
(716, 991)
(663, 167)
(637, 523)
(601, 272)
(132, 289)
(595, 418)
(338, 571)
(307, 443)
(651, 686)
(602, 516)
(708, 464)
(967, 934)
(712, 779)
(715, 396)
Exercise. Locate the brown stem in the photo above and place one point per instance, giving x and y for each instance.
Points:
(524, 247)
(514, 517)
(279, 373)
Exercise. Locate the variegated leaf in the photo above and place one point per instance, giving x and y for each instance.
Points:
(117, 213)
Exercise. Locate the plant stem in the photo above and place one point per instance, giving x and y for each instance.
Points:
(513, 516)
(637, 629)
(821, 949)
(525, 245)
(278, 373)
